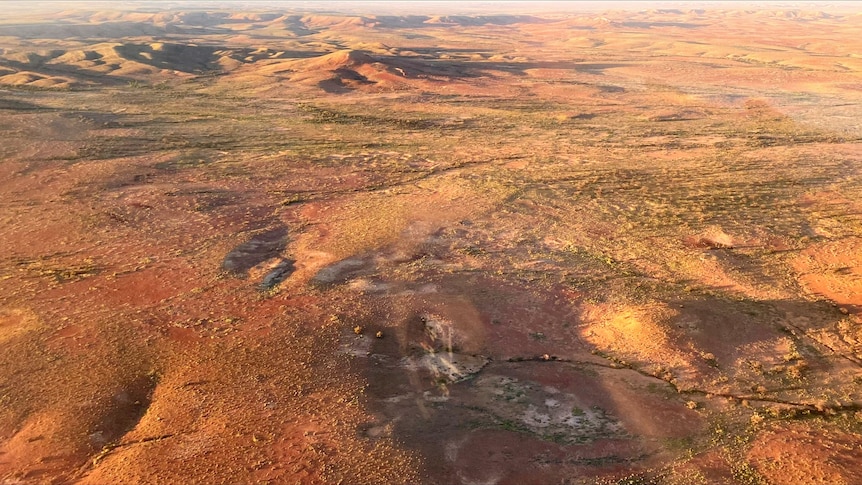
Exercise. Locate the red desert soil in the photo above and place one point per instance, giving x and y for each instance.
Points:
(436, 244)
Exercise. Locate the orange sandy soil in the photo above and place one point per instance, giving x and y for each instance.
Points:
(571, 247)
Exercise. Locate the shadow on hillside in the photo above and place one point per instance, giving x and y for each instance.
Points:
(506, 402)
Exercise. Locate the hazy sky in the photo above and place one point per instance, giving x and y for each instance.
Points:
(430, 6)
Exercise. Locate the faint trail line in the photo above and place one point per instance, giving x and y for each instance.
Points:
(810, 408)
(803, 334)
(420, 177)
(108, 449)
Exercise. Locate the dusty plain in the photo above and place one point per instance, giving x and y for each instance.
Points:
(273, 245)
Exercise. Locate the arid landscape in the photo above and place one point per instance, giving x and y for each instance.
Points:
(437, 243)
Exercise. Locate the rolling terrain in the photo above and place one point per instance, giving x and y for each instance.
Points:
(275, 245)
